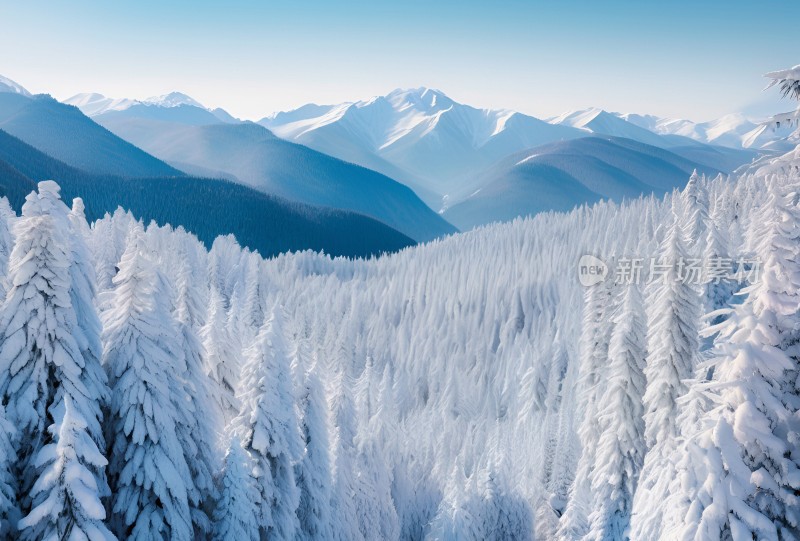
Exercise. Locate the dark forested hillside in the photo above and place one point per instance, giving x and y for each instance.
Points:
(206, 207)
(65, 133)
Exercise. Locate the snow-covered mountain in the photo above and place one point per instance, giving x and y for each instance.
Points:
(438, 146)
(600, 122)
(166, 105)
(11, 87)
(734, 131)
(92, 104)
(419, 136)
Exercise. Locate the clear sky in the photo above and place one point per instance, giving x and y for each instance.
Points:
(684, 58)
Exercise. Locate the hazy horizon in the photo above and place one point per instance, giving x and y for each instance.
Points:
(680, 60)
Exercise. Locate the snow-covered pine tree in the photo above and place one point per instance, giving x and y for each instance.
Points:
(6, 242)
(695, 206)
(378, 518)
(598, 299)
(88, 332)
(313, 471)
(66, 497)
(747, 468)
(717, 256)
(621, 448)
(788, 80)
(269, 429)
(42, 354)
(9, 514)
(104, 253)
(236, 514)
(343, 413)
(148, 470)
(672, 344)
(223, 358)
(199, 427)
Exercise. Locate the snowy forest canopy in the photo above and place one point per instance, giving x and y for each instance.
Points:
(468, 388)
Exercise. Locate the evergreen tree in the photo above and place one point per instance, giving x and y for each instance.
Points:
(313, 472)
(9, 514)
(42, 354)
(621, 448)
(66, 496)
(672, 344)
(88, 332)
(6, 242)
(149, 474)
(748, 469)
(344, 512)
(269, 429)
(574, 522)
(198, 428)
(223, 359)
(236, 514)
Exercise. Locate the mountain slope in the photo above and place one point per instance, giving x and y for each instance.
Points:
(563, 175)
(65, 133)
(600, 122)
(206, 207)
(254, 156)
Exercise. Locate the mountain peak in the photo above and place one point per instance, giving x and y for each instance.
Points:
(9, 86)
(173, 99)
(421, 97)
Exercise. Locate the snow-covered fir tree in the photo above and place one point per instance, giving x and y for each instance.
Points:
(223, 358)
(313, 471)
(620, 447)
(345, 524)
(269, 429)
(8, 456)
(66, 496)
(46, 356)
(149, 474)
(746, 464)
(672, 346)
(236, 513)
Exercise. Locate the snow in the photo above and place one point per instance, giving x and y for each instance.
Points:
(173, 99)
(7, 85)
(418, 136)
(94, 104)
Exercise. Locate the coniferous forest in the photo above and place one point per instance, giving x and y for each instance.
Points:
(152, 388)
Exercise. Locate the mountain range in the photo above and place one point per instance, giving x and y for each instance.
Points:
(414, 159)
(442, 148)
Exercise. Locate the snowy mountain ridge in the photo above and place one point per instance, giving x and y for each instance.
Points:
(9, 86)
(94, 104)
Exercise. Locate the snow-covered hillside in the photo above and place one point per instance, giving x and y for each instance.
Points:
(469, 388)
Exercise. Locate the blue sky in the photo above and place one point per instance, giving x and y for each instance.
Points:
(692, 59)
